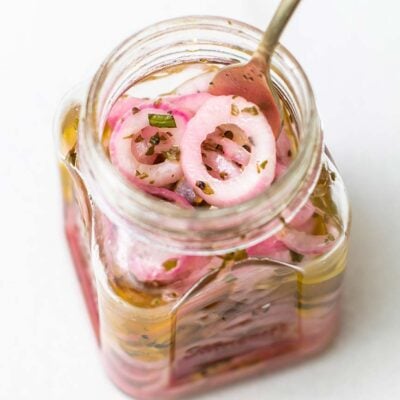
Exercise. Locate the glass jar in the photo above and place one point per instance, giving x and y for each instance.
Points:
(242, 303)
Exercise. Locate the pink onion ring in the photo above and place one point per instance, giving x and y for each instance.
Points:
(256, 176)
(121, 155)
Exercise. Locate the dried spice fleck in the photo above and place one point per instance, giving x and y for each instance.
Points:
(139, 138)
(130, 136)
(173, 154)
(170, 264)
(247, 147)
(141, 175)
(228, 134)
(264, 164)
(235, 110)
(155, 139)
(296, 257)
(205, 187)
(135, 110)
(223, 175)
(150, 151)
(251, 110)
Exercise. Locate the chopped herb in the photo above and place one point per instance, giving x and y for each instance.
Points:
(135, 110)
(170, 264)
(229, 22)
(129, 136)
(282, 220)
(333, 176)
(139, 138)
(228, 134)
(235, 96)
(234, 110)
(150, 151)
(251, 110)
(203, 60)
(155, 139)
(296, 257)
(141, 175)
(258, 168)
(162, 120)
(230, 278)
(173, 154)
(205, 187)
(264, 164)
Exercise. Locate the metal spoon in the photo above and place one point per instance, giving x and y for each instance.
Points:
(253, 80)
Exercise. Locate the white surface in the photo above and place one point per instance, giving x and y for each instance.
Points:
(351, 51)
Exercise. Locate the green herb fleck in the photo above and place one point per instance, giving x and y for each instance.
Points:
(251, 110)
(204, 187)
(162, 120)
(296, 257)
(170, 264)
(173, 154)
(333, 176)
(234, 110)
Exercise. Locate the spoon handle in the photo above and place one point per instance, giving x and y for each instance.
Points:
(275, 28)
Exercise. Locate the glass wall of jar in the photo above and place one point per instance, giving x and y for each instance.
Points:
(243, 288)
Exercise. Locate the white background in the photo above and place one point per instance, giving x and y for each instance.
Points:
(351, 52)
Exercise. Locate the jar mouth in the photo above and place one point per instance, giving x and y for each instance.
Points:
(203, 228)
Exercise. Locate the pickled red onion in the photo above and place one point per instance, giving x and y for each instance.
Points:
(122, 157)
(253, 179)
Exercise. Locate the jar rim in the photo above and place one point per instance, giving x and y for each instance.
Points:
(136, 207)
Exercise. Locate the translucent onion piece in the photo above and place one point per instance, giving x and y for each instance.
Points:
(164, 173)
(256, 176)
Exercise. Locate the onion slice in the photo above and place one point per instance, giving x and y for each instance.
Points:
(127, 129)
(255, 177)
